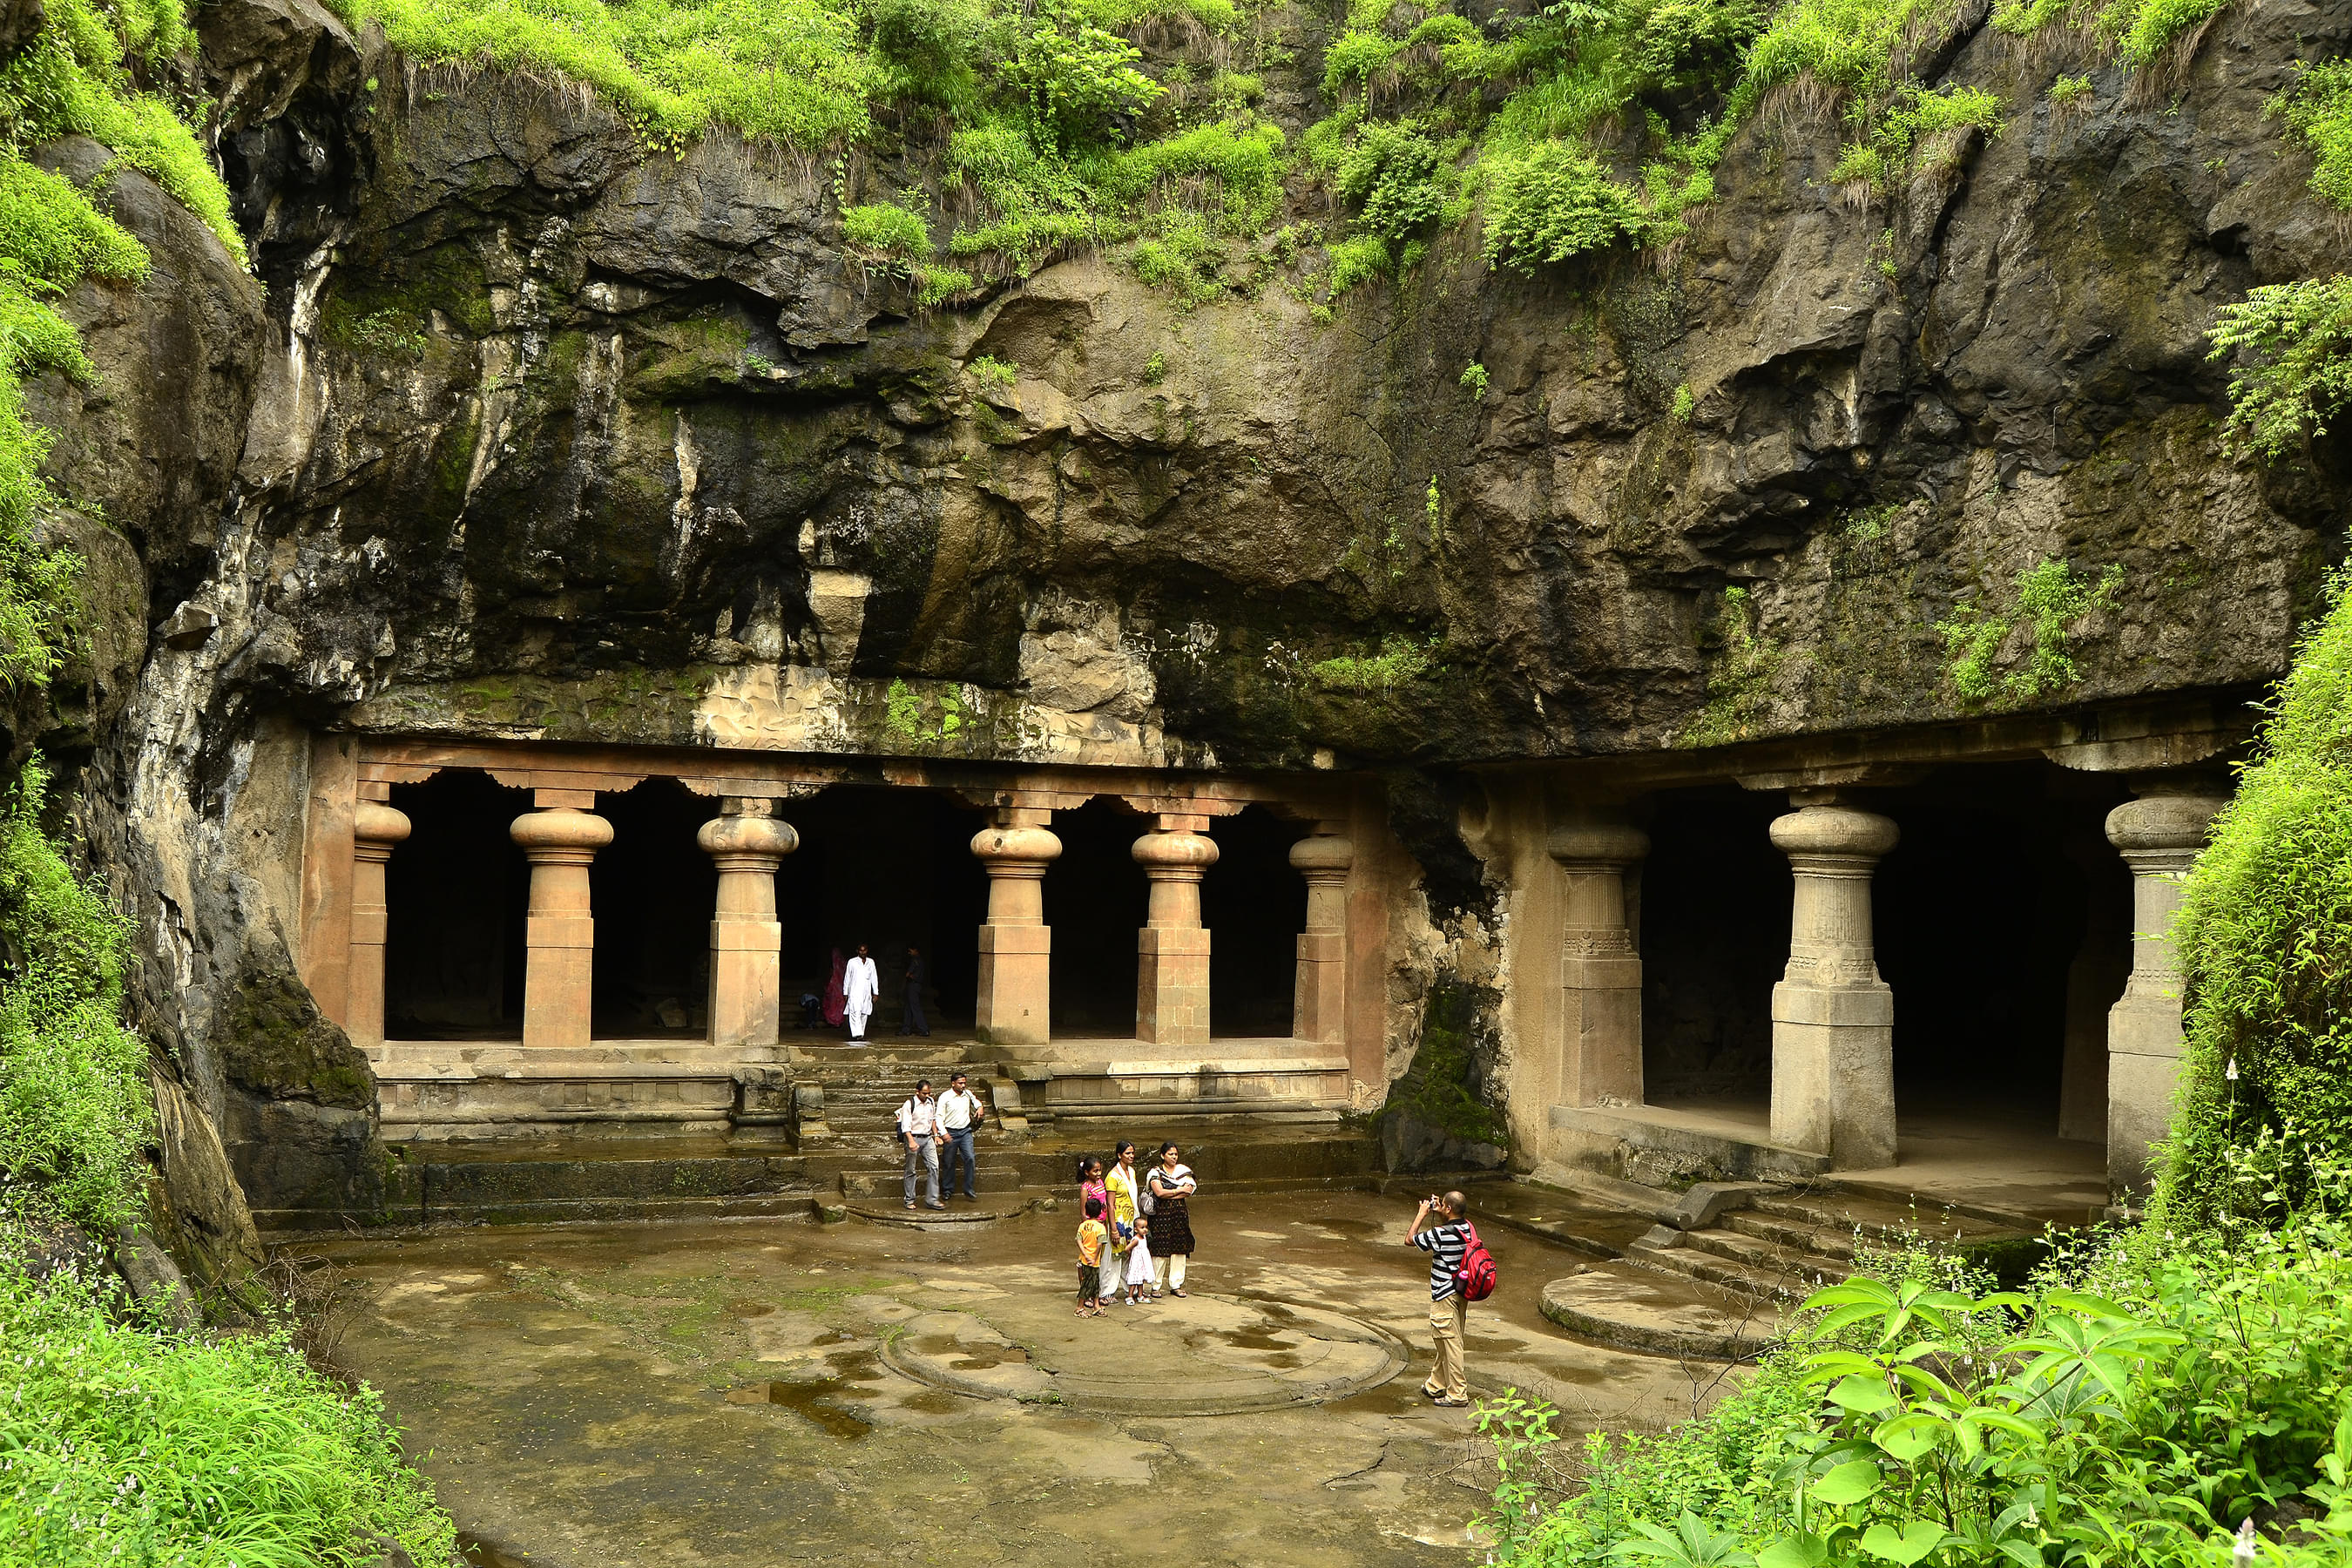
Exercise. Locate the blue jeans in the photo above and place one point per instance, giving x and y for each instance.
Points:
(958, 1148)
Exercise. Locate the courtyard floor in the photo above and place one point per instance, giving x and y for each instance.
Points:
(762, 1392)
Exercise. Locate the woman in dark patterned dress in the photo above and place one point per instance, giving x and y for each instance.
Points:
(1171, 1186)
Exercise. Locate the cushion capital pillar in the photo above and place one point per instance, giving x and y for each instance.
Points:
(1015, 1002)
(1319, 1003)
(1597, 1051)
(559, 842)
(1832, 1017)
(376, 828)
(1171, 971)
(747, 844)
(2160, 835)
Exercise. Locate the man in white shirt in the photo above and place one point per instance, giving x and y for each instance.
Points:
(959, 1114)
(861, 983)
(919, 1128)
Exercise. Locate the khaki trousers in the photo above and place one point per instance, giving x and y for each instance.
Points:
(1447, 1317)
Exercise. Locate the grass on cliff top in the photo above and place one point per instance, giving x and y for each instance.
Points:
(1587, 125)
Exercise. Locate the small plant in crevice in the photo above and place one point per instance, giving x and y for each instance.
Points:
(1473, 381)
(993, 371)
(2051, 596)
(1684, 404)
(1400, 661)
(1739, 675)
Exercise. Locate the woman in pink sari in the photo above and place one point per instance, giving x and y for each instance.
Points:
(836, 998)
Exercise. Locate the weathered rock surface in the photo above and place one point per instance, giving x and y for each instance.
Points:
(540, 434)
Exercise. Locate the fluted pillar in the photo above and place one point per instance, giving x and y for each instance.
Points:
(2160, 835)
(747, 941)
(1318, 1010)
(1016, 947)
(1832, 1017)
(560, 840)
(1598, 1051)
(1171, 970)
(376, 828)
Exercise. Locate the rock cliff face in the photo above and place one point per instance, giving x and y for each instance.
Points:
(523, 430)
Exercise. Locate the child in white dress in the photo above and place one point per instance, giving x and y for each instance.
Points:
(1139, 1262)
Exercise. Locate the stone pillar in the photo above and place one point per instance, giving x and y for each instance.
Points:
(1832, 1017)
(1319, 1009)
(376, 828)
(560, 840)
(747, 941)
(1599, 1046)
(1171, 968)
(2160, 835)
(1017, 946)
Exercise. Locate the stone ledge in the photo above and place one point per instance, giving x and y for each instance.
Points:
(1721, 1147)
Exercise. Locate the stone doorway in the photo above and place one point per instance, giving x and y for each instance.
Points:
(456, 892)
(1255, 905)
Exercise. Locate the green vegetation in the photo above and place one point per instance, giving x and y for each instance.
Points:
(1739, 678)
(2051, 596)
(2265, 928)
(2143, 32)
(994, 371)
(1473, 381)
(1400, 661)
(1443, 1087)
(75, 1114)
(2134, 1405)
(2298, 373)
(124, 1443)
(1684, 404)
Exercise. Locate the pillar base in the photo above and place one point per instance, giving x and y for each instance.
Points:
(1600, 1029)
(1172, 986)
(1320, 1000)
(1833, 1073)
(746, 986)
(2143, 1073)
(1014, 1005)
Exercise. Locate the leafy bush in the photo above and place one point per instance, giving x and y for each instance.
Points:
(76, 1112)
(1078, 79)
(123, 1443)
(2297, 342)
(2051, 596)
(887, 231)
(2128, 1412)
(2319, 107)
(1552, 201)
(1397, 178)
(2265, 933)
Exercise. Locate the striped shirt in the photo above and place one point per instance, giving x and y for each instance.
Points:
(1445, 1244)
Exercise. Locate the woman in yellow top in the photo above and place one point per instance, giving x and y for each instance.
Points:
(1123, 1184)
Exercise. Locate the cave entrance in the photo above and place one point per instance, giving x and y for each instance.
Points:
(891, 867)
(653, 889)
(2003, 923)
(455, 891)
(1255, 906)
(1096, 898)
(1710, 913)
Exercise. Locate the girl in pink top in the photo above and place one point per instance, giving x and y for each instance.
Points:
(1091, 1185)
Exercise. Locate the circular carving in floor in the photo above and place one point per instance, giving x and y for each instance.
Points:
(1194, 1355)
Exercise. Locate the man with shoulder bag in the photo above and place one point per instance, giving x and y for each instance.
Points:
(919, 1129)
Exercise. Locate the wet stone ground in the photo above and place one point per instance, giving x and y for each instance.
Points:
(765, 1392)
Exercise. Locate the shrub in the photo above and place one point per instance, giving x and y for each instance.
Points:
(1552, 201)
(2264, 936)
(1395, 174)
(123, 1444)
(2125, 1412)
(2318, 107)
(1077, 79)
(76, 1112)
(2297, 372)
(887, 231)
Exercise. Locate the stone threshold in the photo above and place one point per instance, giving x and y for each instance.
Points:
(1726, 1145)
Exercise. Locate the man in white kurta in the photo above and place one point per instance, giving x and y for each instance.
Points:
(860, 984)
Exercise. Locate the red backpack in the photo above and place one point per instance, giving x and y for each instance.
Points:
(1475, 1276)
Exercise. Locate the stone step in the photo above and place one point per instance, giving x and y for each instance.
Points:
(1795, 1234)
(1771, 1285)
(1653, 1313)
(1766, 1256)
(1878, 1218)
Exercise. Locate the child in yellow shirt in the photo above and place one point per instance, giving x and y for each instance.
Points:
(1091, 1237)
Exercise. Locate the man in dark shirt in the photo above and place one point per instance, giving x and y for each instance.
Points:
(1445, 1242)
(914, 1023)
